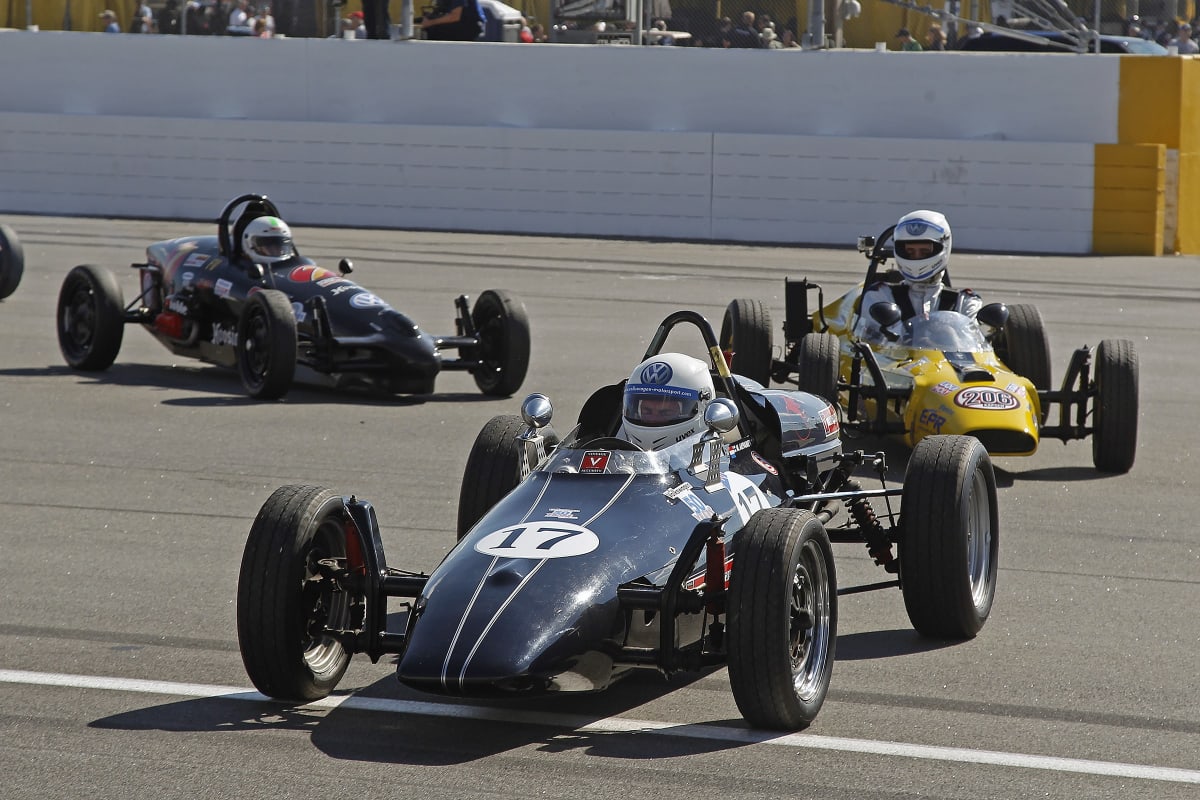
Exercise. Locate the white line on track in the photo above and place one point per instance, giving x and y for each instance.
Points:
(623, 725)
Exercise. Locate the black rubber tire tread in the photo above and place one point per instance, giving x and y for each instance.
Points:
(101, 312)
(493, 469)
(1115, 409)
(817, 365)
(935, 530)
(12, 261)
(502, 324)
(1024, 347)
(271, 619)
(759, 618)
(746, 330)
(275, 378)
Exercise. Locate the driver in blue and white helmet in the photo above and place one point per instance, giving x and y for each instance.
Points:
(268, 240)
(664, 401)
(922, 243)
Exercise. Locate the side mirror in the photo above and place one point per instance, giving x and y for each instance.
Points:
(721, 416)
(886, 314)
(993, 315)
(345, 266)
(537, 411)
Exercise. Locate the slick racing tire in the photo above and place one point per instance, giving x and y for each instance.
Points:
(502, 326)
(284, 606)
(950, 537)
(1023, 346)
(91, 318)
(493, 469)
(266, 345)
(746, 339)
(817, 365)
(1115, 413)
(782, 619)
(12, 261)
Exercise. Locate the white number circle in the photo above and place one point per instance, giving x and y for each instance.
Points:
(539, 540)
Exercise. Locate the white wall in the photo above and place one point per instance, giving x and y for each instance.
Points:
(662, 142)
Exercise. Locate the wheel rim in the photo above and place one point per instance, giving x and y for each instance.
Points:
(491, 347)
(79, 316)
(979, 540)
(256, 350)
(324, 608)
(810, 621)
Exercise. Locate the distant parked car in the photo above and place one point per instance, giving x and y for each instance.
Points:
(1057, 42)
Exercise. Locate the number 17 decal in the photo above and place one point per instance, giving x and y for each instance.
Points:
(539, 540)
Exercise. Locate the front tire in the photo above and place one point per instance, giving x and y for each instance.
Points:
(746, 339)
(782, 619)
(1115, 409)
(91, 318)
(12, 261)
(950, 537)
(284, 605)
(502, 326)
(493, 469)
(817, 365)
(1024, 347)
(266, 345)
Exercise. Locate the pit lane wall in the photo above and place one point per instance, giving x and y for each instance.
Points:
(1023, 152)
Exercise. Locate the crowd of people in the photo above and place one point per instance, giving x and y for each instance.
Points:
(198, 17)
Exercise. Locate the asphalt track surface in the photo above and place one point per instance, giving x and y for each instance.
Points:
(127, 496)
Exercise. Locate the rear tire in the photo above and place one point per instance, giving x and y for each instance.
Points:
(817, 365)
(502, 326)
(12, 261)
(1115, 409)
(746, 339)
(493, 469)
(91, 318)
(950, 537)
(1023, 346)
(283, 605)
(782, 619)
(266, 345)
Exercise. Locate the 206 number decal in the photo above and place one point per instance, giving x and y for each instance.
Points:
(539, 540)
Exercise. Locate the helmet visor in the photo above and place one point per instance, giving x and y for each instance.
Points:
(657, 406)
(918, 249)
(272, 245)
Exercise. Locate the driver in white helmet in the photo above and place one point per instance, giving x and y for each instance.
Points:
(922, 242)
(267, 240)
(664, 401)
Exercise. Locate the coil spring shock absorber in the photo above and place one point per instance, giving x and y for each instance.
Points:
(878, 545)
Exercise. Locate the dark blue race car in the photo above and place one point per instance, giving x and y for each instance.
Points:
(205, 297)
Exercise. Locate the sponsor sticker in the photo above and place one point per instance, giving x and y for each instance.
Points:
(299, 312)
(224, 336)
(683, 493)
(657, 373)
(739, 446)
(986, 399)
(223, 287)
(762, 462)
(594, 461)
(310, 273)
(196, 260)
(539, 540)
(562, 513)
(330, 281)
(367, 300)
(829, 419)
(945, 388)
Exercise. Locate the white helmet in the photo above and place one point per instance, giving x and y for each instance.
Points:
(267, 240)
(665, 398)
(922, 246)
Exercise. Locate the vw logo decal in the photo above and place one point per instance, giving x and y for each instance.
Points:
(915, 228)
(657, 373)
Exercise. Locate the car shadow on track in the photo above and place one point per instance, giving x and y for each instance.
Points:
(221, 387)
(888, 644)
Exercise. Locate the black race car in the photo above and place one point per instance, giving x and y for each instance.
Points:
(584, 559)
(12, 261)
(204, 297)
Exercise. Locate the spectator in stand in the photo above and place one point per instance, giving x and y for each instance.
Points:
(1184, 42)
(260, 29)
(935, 39)
(770, 41)
(788, 39)
(907, 42)
(143, 19)
(539, 33)
(525, 34)
(239, 15)
(377, 18)
(168, 17)
(724, 32)
(745, 35)
(108, 18)
(454, 21)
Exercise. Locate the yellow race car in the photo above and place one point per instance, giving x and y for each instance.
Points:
(986, 376)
